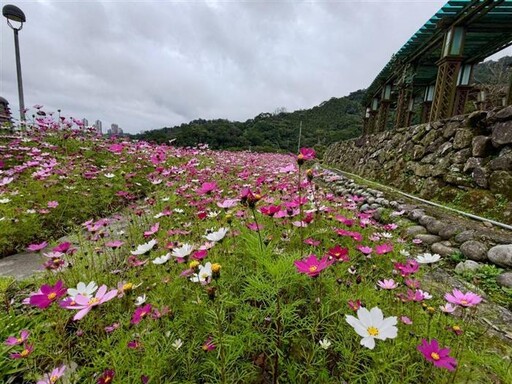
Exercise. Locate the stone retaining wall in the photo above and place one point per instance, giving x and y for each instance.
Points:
(441, 236)
(464, 159)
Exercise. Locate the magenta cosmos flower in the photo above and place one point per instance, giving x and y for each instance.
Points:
(306, 154)
(312, 266)
(53, 376)
(47, 294)
(440, 357)
(84, 304)
(140, 313)
(37, 247)
(468, 299)
(27, 350)
(11, 340)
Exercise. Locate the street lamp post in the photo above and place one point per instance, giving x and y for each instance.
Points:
(13, 13)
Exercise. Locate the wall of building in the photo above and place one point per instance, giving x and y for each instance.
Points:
(466, 160)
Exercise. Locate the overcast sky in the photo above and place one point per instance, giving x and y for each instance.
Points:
(149, 64)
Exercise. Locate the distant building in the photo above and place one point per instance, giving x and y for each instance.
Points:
(5, 111)
(114, 129)
(85, 122)
(99, 127)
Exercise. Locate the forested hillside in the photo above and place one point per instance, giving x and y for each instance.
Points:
(331, 121)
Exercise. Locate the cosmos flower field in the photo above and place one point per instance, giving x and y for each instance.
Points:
(186, 265)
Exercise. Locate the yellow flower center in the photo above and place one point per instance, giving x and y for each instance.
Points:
(372, 331)
(127, 287)
(456, 328)
(463, 301)
(194, 264)
(93, 301)
(19, 340)
(435, 356)
(24, 353)
(107, 380)
(53, 379)
(313, 268)
(203, 275)
(52, 296)
(300, 156)
(216, 267)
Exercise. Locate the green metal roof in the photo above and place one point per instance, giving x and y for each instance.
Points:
(488, 30)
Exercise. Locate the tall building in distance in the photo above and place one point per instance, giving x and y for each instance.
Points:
(114, 129)
(85, 123)
(99, 127)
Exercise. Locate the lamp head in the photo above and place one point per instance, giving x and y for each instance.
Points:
(12, 12)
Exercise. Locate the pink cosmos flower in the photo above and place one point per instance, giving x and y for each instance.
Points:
(11, 340)
(53, 204)
(47, 294)
(355, 235)
(27, 350)
(440, 357)
(312, 266)
(207, 187)
(200, 254)
(84, 304)
(405, 320)
(106, 377)
(306, 154)
(410, 267)
(152, 230)
(140, 313)
(383, 248)
(114, 244)
(112, 328)
(53, 376)
(468, 299)
(364, 249)
(208, 345)
(387, 284)
(447, 308)
(228, 203)
(254, 226)
(37, 247)
(339, 253)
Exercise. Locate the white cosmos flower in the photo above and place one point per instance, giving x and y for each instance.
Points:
(217, 235)
(183, 251)
(428, 258)
(158, 215)
(213, 214)
(82, 289)
(109, 175)
(5, 200)
(143, 248)
(162, 259)
(325, 343)
(405, 253)
(177, 344)
(165, 199)
(204, 275)
(371, 325)
(140, 300)
(178, 210)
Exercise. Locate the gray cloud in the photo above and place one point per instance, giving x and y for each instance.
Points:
(149, 64)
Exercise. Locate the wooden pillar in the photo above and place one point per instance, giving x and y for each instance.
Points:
(448, 73)
(508, 101)
(463, 89)
(402, 117)
(410, 110)
(426, 106)
(366, 119)
(385, 101)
